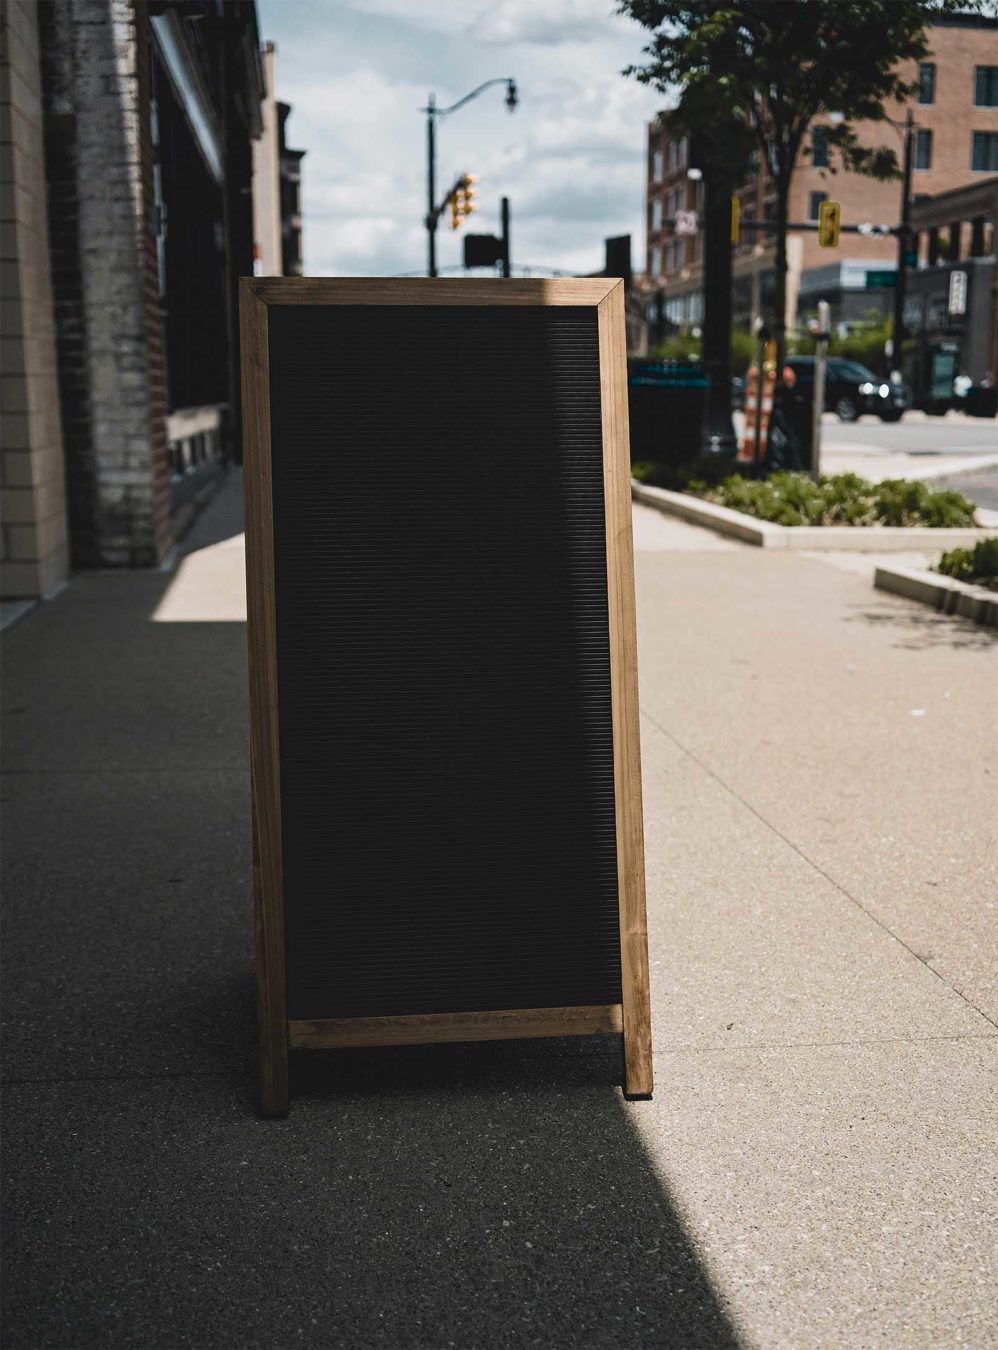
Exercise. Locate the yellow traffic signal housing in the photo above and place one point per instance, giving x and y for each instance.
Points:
(468, 203)
(736, 219)
(829, 224)
(455, 212)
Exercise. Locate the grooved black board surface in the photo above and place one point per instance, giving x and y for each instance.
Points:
(443, 659)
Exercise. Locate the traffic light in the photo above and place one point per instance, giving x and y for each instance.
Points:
(736, 219)
(468, 194)
(462, 199)
(829, 224)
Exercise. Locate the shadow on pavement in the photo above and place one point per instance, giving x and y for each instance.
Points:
(916, 627)
(486, 1196)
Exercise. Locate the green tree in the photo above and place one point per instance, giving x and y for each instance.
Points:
(777, 65)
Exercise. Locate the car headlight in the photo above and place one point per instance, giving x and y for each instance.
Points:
(885, 391)
(866, 388)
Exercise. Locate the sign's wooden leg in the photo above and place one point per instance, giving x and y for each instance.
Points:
(637, 1019)
(273, 1071)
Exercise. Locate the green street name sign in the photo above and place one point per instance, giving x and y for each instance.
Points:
(874, 279)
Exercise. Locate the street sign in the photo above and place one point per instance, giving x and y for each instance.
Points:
(881, 279)
(687, 222)
(829, 224)
(446, 782)
(910, 258)
(482, 250)
(957, 293)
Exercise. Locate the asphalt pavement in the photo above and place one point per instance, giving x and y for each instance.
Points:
(917, 434)
(816, 1167)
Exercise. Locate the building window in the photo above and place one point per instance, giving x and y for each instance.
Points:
(819, 147)
(986, 86)
(681, 152)
(923, 149)
(656, 214)
(984, 151)
(656, 262)
(814, 204)
(656, 167)
(927, 82)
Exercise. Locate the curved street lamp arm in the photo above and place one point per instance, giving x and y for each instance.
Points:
(502, 79)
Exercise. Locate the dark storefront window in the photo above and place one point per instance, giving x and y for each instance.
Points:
(193, 260)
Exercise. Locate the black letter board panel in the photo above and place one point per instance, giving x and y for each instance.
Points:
(441, 649)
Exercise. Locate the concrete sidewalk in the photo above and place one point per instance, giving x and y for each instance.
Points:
(815, 1169)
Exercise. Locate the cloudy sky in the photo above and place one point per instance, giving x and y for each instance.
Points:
(571, 158)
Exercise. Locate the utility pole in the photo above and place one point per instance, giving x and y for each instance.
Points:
(431, 183)
(821, 335)
(504, 215)
(900, 287)
(719, 432)
(433, 210)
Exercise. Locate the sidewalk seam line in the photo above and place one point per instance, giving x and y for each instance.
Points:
(817, 867)
(822, 1045)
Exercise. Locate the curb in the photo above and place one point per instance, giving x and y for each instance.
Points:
(814, 538)
(942, 593)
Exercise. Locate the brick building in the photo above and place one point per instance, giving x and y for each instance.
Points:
(128, 128)
(956, 143)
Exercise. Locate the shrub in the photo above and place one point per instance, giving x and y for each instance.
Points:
(978, 564)
(838, 499)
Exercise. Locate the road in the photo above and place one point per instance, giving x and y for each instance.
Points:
(916, 434)
(954, 451)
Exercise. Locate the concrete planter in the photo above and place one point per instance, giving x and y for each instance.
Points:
(942, 593)
(856, 538)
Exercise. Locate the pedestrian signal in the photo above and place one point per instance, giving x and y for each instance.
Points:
(829, 224)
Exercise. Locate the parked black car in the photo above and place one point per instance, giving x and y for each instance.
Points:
(851, 389)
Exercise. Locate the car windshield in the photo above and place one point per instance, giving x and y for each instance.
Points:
(852, 370)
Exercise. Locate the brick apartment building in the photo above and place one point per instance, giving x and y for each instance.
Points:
(126, 128)
(956, 144)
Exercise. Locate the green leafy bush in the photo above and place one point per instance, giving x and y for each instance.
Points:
(838, 499)
(705, 471)
(978, 564)
(687, 347)
(864, 342)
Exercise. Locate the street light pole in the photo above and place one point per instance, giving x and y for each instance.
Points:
(900, 286)
(432, 113)
(431, 183)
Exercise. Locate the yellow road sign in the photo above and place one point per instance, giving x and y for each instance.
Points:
(829, 224)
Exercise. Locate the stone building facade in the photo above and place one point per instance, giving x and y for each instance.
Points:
(128, 130)
(34, 533)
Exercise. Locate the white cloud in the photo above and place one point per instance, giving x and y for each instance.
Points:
(571, 159)
(546, 22)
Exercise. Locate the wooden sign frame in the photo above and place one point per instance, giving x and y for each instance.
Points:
(632, 1015)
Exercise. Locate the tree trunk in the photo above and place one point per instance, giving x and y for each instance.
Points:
(780, 290)
(719, 433)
